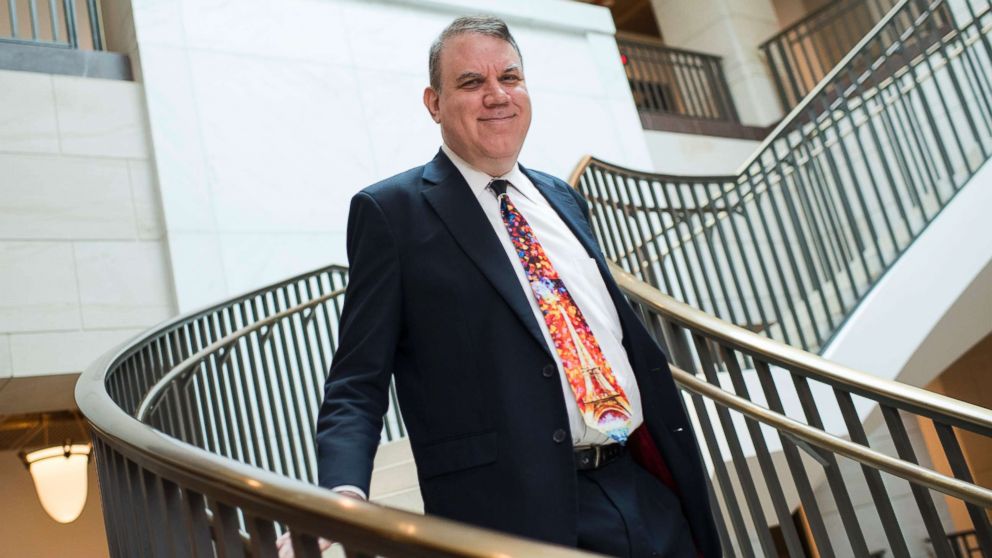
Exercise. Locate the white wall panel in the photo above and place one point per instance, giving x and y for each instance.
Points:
(693, 154)
(54, 197)
(123, 284)
(144, 194)
(252, 259)
(100, 117)
(37, 287)
(285, 140)
(41, 354)
(27, 113)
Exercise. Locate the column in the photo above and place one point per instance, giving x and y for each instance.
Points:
(732, 29)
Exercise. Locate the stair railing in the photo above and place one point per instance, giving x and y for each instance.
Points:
(221, 461)
(722, 368)
(794, 241)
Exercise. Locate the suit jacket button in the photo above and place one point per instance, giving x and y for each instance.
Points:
(559, 436)
(548, 371)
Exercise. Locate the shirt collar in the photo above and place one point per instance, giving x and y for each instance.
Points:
(478, 180)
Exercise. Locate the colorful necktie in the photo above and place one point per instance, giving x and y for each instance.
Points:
(601, 400)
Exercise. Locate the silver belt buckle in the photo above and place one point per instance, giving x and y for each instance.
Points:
(598, 455)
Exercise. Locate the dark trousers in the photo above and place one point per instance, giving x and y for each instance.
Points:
(624, 511)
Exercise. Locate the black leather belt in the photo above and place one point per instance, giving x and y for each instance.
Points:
(596, 456)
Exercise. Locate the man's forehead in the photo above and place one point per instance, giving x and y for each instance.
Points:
(474, 52)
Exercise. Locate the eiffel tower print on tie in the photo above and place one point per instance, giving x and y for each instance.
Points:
(601, 400)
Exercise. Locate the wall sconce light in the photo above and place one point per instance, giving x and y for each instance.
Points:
(59, 471)
(60, 478)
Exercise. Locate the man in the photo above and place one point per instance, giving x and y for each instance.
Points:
(526, 382)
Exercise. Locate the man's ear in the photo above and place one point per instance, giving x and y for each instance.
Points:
(431, 100)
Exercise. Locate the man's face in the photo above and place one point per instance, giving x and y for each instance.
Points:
(483, 106)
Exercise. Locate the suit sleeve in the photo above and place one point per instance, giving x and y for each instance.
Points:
(356, 393)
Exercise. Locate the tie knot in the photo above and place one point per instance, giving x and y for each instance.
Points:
(499, 186)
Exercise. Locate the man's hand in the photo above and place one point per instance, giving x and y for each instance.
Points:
(284, 544)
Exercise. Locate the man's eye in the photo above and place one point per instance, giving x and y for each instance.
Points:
(471, 83)
(511, 79)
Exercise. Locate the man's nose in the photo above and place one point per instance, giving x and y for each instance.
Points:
(496, 94)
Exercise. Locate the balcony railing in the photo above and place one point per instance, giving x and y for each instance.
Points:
(675, 82)
(71, 24)
(801, 55)
(792, 243)
(965, 545)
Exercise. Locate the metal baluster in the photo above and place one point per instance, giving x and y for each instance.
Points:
(834, 479)
(775, 257)
(92, 10)
(227, 538)
(924, 501)
(880, 496)
(768, 472)
(643, 231)
(263, 415)
(242, 382)
(692, 240)
(53, 18)
(662, 211)
(197, 523)
(754, 507)
(110, 496)
(792, 458)
(178, 527)
(275, 399)
(69, 7)
(959, 465)
(263, 537)
(33, 12)
(138, 509)
(304, 545)
(158, 526)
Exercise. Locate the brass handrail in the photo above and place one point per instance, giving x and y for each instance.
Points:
(834, 444)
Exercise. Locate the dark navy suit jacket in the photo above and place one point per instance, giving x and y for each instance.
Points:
(433, 301)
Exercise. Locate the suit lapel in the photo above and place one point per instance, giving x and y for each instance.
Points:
(456, 205)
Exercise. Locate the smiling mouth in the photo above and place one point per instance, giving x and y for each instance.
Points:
(498, 118)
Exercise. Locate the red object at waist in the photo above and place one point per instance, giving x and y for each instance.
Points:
(646, 454)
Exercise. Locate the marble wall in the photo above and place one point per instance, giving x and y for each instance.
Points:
(83, 264)
(695, 154)
(266, 117)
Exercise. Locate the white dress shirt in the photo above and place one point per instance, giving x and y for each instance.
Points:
(581, 277)
(579, 273)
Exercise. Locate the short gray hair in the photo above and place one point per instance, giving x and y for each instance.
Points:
(482, 25)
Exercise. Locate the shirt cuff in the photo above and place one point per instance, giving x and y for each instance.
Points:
(351, 488)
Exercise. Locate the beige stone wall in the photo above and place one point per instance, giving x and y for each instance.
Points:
(966, 379)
